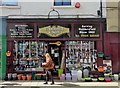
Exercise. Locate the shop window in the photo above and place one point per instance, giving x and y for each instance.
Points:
(9, 3)
(62, 2)
(27, 55)
(80, 53)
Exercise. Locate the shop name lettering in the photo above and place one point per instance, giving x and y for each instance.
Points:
(54, 30)
(88, 31)
(21, 31)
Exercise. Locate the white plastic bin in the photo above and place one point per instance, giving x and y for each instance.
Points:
(68, 78)
(9, 75)
(68, 74)
(116, 77)
(74, 72)
(79, 75)
(74, 77)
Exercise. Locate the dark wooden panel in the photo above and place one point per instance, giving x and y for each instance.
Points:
(99, 49)
(115, 60)
(9, 60)
(112, 47)
(106, 44)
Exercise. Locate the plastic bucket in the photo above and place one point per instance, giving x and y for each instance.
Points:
(60, 72)
(62, 77)
(79, 75)
(68, 78)
(9, 76)
(74, 77)
(116, 77)
(100, 54)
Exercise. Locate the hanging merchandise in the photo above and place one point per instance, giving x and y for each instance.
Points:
(27, 55)
(52, 51)
(81, 60)
(63, 59)
(80, 53)
(8, 53)
(56, 54)
(89, 60)
(85, 60)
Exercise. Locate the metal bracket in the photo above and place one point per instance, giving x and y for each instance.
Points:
(53, 11)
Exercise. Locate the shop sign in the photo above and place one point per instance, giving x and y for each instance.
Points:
(87, 30)
(21, 31)
(53, 31)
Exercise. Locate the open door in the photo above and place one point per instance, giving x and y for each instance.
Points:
(55, 50)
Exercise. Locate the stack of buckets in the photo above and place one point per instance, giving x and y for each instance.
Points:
(79, 75)
(116, 77)
(61, 75)
(68, 77)
(74, 74)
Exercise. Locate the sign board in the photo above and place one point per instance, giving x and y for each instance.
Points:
(87, 30)
(53, 31)
(21, 30)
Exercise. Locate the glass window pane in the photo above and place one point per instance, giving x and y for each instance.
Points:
(0, 2)
(10, 2)
(57, 2)
(66, 2)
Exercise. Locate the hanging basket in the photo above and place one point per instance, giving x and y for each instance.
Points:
(101, 54)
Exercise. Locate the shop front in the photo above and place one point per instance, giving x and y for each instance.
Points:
(72, 43)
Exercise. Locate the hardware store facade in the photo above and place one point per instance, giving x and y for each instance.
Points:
(71, 43)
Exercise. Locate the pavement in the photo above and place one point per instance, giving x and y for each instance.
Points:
(58, 84)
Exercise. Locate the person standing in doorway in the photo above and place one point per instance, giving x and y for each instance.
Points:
(49, 66)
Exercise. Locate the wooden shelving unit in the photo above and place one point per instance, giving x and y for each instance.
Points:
(79, 53)
(27, 55)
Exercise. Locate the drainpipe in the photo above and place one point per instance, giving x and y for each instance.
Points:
(101, 14)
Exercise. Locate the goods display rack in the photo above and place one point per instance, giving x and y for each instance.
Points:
(79, 53)
(27, 55)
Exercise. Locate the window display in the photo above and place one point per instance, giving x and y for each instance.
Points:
(27, 55)
(80, 53)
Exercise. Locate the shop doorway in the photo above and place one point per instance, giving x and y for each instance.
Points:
(55, 49)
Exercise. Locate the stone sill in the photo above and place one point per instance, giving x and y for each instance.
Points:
(10, 7)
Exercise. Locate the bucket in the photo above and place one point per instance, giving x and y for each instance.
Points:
(74, 77)
(79, 75)
(100, 54)
(14, 76)
(62, 77)
(74, 72)
(60, 72)
(116, 77)
(68, 78)
(19, 76)
(9, 76)
(23, 77)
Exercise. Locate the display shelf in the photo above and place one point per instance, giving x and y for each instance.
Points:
(27, 54)
(80, 52)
